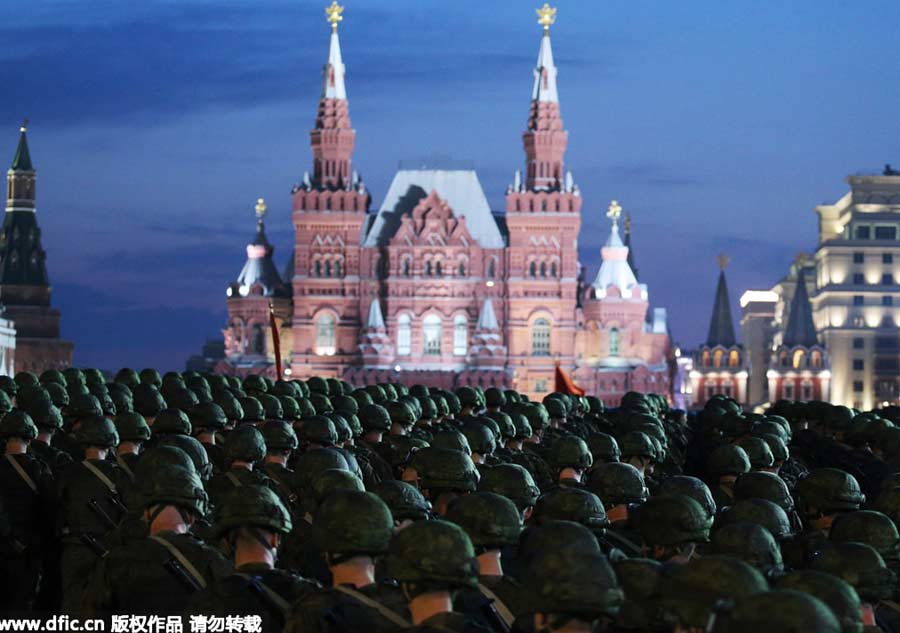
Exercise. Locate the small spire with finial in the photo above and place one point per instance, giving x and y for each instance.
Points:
(627, 223)
(333, 14)
(546, 16)
(723, 260)
(614, 211)
(261, 209)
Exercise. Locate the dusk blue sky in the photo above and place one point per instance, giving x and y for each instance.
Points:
(155, 126)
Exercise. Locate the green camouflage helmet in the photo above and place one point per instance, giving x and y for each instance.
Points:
(490, 520)
(209, 416)
(320, 402)
(374, 417)
(54, 376)
(172, 422)
(252, 408)
(860, 566)
(513, 482)
(829, 490)
(728, 459)
(8, 385)
(45, 415)
(192, 447)
(616, 483)
(341, 426)
(570, 451)
(429, 408)
(307, 410)
(781, 611)
(290, 408)
(636, 444)
(433, 553)
(96, 430)
(161, 457)
(451, 439)
(83, 406)
(575, 583)
(404, 500)
(751, 543)
(762, 485)
(401, 413)
(552, 536)
(174, 486)
(245, 444)
(413, 404)
(271, 406)
(148, 377)
(18, 424)
(279, 436)
(57, 393)
(327, 482)
(26, 379)
(780, 451)
(148, 401)
(376, 394)
(345, 404)
(335, 387)
(314, 461)
(604, 448)
(869, 527)
(504, 421)
(468, 397)
(673, 520)
(230, 405)
(181, 398)
(690, 487)
(689, 593)
(255, 383)
(285, 388)
(767, 425)
(758, 451)
(318, 430)
(556, 408)
(889, 502)
(317, 384)
(353, 523)
(837, 595)
(762, 512)
(537, 415)
(523, 426)
(252, 506)
(443, 469)
(480, 438)
(571, 504)
(494, 397)
(302, 388)
(419, 391)
(452, 402)
(132, 427)
(121, 397)
(639, 578)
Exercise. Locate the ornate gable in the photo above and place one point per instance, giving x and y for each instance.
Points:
(432, 223)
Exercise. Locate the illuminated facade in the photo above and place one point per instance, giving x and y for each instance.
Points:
(434, 287)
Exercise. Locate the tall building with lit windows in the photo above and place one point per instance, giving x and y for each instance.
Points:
(436, 287)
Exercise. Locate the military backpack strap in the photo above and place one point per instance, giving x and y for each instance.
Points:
(499, 606)
(394, 617)
(233, 479)
(270, 594)
(181, 558)
(121, 462)
(24, 475)
(106, 481)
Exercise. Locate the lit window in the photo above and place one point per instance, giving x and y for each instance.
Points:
(540, 338)
(718, 355)
(404, 335)
(734, 358)
(799, 359)
(431, 328)
(460, 335)
(325, 335)
(614, 342)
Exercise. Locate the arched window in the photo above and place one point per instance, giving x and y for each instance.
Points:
(705, 361)
(318, 268)
(491, 271)
(428, 268)
(783, 359)
(799, 359)
(553, 270)
(257, 340)
(532, 269)
(734, 358)
(614, 342)
(540, 338)
(404, 267)
(437, 269)
(325, 335)
(462, 269)
(543, 269)
(404, 334)
(337, 268)
(460, 335)
(816, 360)
(717, 358)
(328, 268)
(431, 329)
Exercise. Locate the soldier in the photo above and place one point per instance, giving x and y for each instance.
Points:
(671, 526)
(622, 489)
(637, 450)
(48, 420)
(751, 543)
(689, 593)
(90, 497)
(515, 483)
(281, 441)
(759, 453)
(570, 458)
(770, 487)
(252, 522)
(724, 465)
(641, 612)
(572, 590)
(133, 432)
(431, 560)
(837, 595)
(244, 448)
(158, 574)
(776, 612)
(482, 442)
(872, 528)
(443, 475)
(351, 529)
(26, 492)
(405, 502)
(604, 448)
(492, 523)
(375, 421)
(207, 420)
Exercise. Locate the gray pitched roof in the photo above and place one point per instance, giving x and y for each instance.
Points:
(459, 188)
(260, 269)
(800, 328)
(721, 326)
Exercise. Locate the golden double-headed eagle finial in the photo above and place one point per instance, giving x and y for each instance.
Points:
(261, 208)
(723, 260)
(546, 16)
(614, 211)
(333, 14)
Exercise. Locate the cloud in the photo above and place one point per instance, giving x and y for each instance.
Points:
(653, 174)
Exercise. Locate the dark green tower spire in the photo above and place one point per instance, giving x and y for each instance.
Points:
(22, 159)
(800, 330)
(721, 326)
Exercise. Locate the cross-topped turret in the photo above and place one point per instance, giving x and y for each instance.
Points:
(614, 212)
(261, 208)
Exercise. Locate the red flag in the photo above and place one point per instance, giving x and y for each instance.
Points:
(563, 383)
(276, 345)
